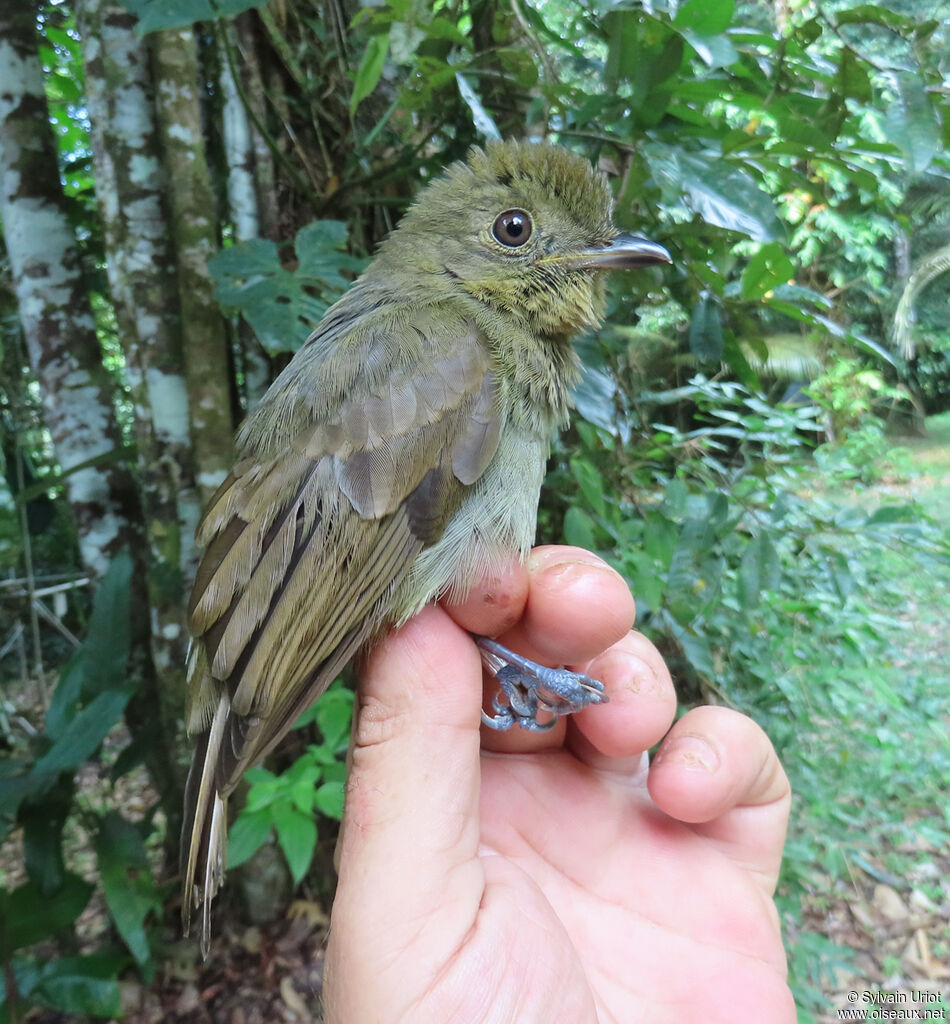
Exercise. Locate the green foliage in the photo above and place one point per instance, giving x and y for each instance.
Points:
(37, 793)
(155, 15)
(772, 590)
(287, 804)
(282, 305)
(850, 392)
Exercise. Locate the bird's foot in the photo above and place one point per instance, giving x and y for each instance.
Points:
(533, 689)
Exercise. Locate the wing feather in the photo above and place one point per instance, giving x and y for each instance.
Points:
(310, 536)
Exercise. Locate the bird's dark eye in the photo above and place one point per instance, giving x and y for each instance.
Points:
(512, 228)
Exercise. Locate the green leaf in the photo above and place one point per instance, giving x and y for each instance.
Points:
(328, 799)
(714, 51)
(297, 835)
(483, 121)
(101, 664)
(888, 514)
(767, 269)
(32, 915)
(284, 307)
(759, 570)
(81, 985)
(83, 736)
(579, 529)
(705, 17)
(722, 194)
(852, 79)
(912, 123)
(643, 51)
(659, 538)
(622, 30)
(43, 821)
(590, 482)
(248, 834)
(155, 15)
(705, 330)
(334, 714)
(873, 15)
(321, 253)
(126, 881)
(370, 70)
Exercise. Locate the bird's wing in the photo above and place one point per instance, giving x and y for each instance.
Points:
(304, 542)
(307, 540)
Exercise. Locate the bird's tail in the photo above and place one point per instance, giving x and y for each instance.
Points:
(204, 829)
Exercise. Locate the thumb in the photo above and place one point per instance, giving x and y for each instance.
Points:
(410, 832)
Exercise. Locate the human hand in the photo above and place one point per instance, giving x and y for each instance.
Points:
(555, 877)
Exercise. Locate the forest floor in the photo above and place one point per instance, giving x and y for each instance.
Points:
(876, 935)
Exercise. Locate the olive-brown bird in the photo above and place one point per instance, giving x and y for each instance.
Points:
(397, 459)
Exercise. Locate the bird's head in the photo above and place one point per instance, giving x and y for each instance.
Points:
(525, 228)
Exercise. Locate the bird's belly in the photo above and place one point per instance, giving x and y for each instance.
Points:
(496, 520)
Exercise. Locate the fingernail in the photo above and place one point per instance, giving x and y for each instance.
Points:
(692, 752)
(542, 559)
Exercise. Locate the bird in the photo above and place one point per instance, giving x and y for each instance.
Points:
(397, 459)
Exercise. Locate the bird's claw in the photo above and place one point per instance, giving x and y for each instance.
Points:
(531, 689)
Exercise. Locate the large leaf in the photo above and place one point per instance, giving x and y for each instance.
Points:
(705, 330)
(705, 17)
(297, 835)
(282, 306)
(643, 51)
(42, 822)
(321, 254)
(101, 664)
(579, 529)
(31, 915)
(483, 121)
(154, 15)
(86, 731)
(767, 269)
(81, 986)
(912, 123)
(127, 881)
(370, 70)
(248, 834)
(722, 194)
(759, 570)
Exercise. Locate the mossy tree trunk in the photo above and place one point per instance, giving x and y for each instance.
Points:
(129, 183)
(193, 225)
(65, 355)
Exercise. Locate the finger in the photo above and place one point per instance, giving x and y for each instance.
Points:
(612, 737)
(410, 832)
(718, 770)
(577, 607)
(563, 606)
(496, 604)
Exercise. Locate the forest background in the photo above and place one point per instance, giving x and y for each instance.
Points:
(186, 185)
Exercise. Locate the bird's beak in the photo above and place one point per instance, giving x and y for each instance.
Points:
(623, 251)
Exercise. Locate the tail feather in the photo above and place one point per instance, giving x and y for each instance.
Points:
(204, 835)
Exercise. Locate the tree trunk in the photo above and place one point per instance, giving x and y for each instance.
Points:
(54, 308)
(207, 364)
(143, 282)
(239, 155)
(66, 357)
